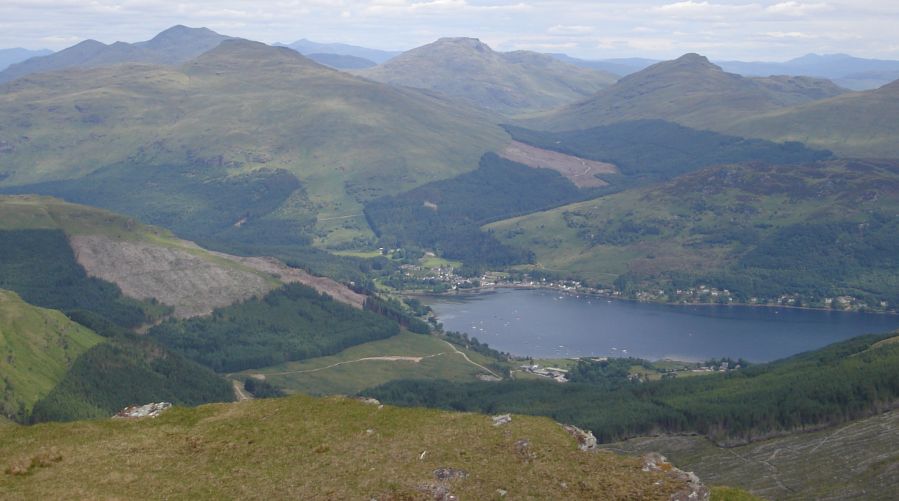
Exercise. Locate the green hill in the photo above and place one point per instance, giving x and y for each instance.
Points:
(229, 130)
(818, 230)
(510, 83)
(690, 91)
(37, 347)
(860, 124)
(301, 447)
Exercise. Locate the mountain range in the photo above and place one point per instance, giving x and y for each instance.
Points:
(511, 83)
(173, 46)
(847, 71)
(689, 90)
(307, 47)
(241, 107)
(17, 55)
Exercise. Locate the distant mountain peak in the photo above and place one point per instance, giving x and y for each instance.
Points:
(473, 43)
(693, 59)
(180, 30)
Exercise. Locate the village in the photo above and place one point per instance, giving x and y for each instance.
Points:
(432, 275)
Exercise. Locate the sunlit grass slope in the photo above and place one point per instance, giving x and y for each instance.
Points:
(37, 347)
(306, 448)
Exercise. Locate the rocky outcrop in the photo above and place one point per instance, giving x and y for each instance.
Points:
(502, 419)
(142, 411)
(695, 490)
(585, 439)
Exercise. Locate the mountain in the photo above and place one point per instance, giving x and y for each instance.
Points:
(689, 90)
(811, 231)
(845, 70)
(173, 46)
(620, 66)
(859, 124)
(342, 62)
(246, 143)
(17, 55)
(338, 448)
(38, 347)
(512, 83)
(307, 47)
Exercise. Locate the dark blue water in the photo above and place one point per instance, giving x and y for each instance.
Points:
(543, 323)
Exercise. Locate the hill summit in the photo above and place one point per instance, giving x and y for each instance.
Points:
(512, 82)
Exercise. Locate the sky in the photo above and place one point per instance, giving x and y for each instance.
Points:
(723, 30)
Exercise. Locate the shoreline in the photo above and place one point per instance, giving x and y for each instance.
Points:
(482, 290)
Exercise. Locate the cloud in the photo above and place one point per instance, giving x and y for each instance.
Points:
(747, 29)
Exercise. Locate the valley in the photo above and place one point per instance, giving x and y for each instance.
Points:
(447, 272)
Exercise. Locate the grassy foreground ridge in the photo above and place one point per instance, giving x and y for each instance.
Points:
(301, 447)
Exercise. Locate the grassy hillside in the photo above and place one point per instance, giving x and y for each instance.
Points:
(817, 230)
(510, 83)
(240, 108)
(858, 459)
(690, 91)
(840, 382)
(404, 356)
(37, 347)
(859, 124)
(301, 447)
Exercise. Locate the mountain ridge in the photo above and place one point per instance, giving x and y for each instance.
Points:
(511, 82)
(173, 46)
(689, 90)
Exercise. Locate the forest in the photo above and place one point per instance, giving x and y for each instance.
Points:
(126, 370)
(655, 150)
(294, 322)
(447, 215)
(840, 382)
(40, 266)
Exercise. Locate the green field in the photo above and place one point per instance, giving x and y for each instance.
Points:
(37, 347)
(321, 376)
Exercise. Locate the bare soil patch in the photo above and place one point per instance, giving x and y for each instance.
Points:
(193, 286)
(580, 171)
(284, 273)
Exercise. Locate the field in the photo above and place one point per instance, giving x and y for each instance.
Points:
(307, 448)
(405, 356)
(837, 463)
